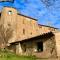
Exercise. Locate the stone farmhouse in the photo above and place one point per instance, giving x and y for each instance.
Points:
(29, 37)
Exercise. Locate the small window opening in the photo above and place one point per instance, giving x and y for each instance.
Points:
(31, 33)
(9, 24)
(9, 12)
(24, 47)
(0, 14)
(40, 46)
(23, 31)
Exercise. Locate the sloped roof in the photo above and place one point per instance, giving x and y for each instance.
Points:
(41, 34)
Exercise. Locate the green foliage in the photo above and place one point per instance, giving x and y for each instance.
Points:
(7, 55)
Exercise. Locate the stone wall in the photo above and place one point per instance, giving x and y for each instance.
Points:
(18, 22)
(57, 39)
(50, 47)
(24, 28)
(30, 27)
(10, 17)
(30, 48)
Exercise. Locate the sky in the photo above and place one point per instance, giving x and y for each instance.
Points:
(47, 12)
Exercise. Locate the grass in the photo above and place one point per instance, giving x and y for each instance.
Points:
(7, 55)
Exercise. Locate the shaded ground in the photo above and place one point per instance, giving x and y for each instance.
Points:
(49, 59)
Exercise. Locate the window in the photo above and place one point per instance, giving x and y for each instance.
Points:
(9, 24)
(24, 47)
(40, 46)
(9, 12)
(31, 33)
(0, 15)
(23, 31)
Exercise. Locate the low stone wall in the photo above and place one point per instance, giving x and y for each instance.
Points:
(30, 47)
(49, 49)
(57, 39)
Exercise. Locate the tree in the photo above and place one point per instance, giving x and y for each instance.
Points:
(5, 35)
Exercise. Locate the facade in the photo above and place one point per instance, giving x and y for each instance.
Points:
(29, 37)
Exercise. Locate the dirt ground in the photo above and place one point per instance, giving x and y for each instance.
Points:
(50, 59)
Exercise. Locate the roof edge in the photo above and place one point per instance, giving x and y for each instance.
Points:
(48, 26)
(27, 16)
(21, 14)
(10, 7)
